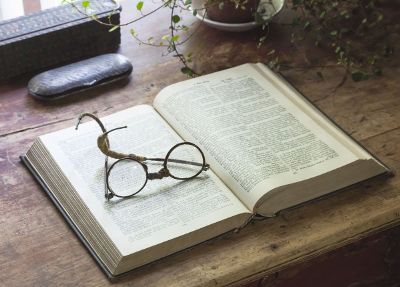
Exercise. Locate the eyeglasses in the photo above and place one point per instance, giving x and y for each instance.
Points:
(129, 174)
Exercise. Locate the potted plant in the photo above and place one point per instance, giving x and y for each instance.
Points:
(232, 11)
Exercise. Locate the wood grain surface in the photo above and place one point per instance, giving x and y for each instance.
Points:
(38, 249)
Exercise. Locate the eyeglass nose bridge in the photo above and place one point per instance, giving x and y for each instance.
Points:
(158, 175)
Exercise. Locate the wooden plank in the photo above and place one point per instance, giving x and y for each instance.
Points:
(372, 261)
(35, 237)
(358, 110)
(19, 112)
(38, 249)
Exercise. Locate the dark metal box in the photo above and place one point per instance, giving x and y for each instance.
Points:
(56, 36)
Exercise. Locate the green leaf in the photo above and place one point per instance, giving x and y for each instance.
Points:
(187, 71)
(258, 18)
(113, 28)
(85, 4)
(261, 41)
(194, 12)
(133, 32)
(359, 76)
(139, 5)
(175, 19)
(187, 2)
(334, 33)
(175, 38)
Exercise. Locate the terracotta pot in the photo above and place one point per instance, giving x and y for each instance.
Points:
(225, 11)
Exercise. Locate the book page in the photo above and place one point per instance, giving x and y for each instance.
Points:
(257, 139)
(165, 208)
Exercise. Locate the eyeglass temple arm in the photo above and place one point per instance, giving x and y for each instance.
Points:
(103, 142)
(81, 116)
(206, 166)
(104, 146)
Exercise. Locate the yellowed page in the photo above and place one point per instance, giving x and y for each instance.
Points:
(256, 138)
(166, 208)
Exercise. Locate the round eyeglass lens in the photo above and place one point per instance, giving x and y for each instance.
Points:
(185, 161)
(126, 177)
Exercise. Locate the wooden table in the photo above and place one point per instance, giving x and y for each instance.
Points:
(38, 249)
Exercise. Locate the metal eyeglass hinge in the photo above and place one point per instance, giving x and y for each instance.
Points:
(108, 196)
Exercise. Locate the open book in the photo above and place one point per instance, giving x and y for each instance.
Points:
(268, 148)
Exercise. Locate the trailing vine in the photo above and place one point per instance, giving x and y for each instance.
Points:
(354, 31)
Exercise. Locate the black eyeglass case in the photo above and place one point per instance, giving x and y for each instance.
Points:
(63, 81)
